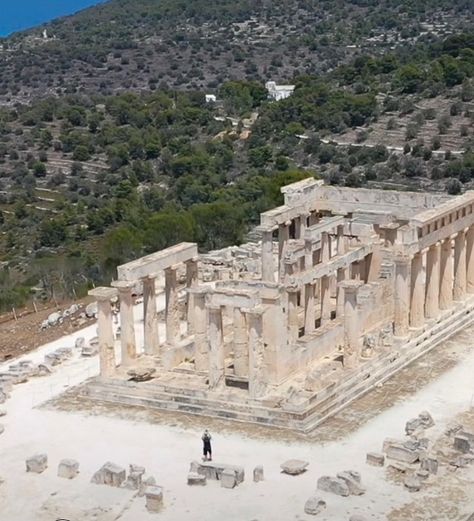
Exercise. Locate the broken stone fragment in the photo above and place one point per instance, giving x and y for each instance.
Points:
(80, 342)
(258, 473)
(3, 412)
(462, 461)
(148, 481)
(412, 483)
(422, 475)
(196, 479)
(2, 428)
(353, 482)
(3, 396)
(403, 453)
(134, 478)
(294, 467)
(334, 485)
(375, 459)
(314, 506)
(141, 374)
(109, 474)
(357, 517)
(430, 464)
(227, 478)
(68, 469)
(399, 467)
(154, 498)
(461, 443)
(44, 369)
(37, 463)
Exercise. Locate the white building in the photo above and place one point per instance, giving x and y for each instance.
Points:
(210, 98)
(279, 92)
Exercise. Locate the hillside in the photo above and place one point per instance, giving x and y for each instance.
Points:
(99, 164)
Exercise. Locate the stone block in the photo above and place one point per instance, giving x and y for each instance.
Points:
(334, 485)
(422, 475)
(462, 461)
(412, 483)
(37, 463)
(388, 442)
(314, 506)
(426, 419)
(412, 425)
(430, 464)
(375, 459)
(68, 468)
(228, 479)
(148, 481)
(353, 482)
(134, 478)
(154, 498)
(258, 473)
(398, 467)
(213, 470)
(109, 474)
(44, 369)
(400, 452)
(294, 467)
(3, 412)
(80, 342)
(196, 479)
(461, 443)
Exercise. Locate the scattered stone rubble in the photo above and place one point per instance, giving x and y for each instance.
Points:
(56, 318)
(423, 421)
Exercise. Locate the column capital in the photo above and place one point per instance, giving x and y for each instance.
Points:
(123, 285)
(173, 267)
(192, 259)
(256, 311)
(350, 286)
(103, 293)
(402, 259)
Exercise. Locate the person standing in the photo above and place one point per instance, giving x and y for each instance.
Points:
(207, 449)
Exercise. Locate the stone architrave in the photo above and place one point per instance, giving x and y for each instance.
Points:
(105, 330)
(446, 275)
(257, 385)
(241, 349)
(402, 295)
(432, 280)
(192, 272)
(127, 326)
(309, 317)
(268, 267)
(470, 260)
(172, 312)
(352, 326)
(417, 292)
(201, 344)
(216, 348)
(150, 317)
(325, 300)
(460, 270)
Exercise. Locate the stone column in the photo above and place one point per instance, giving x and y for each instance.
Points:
(105, 330)
(268, 267)
(342, 274)
(303, 225)
(201, 345)
(325, 247)
(352, 326)
(341, 240)
(374, 262)
(216, 348)
(256, 364)
(325, 300)
(283, 238)
(127, 322)
(432, 281)
(446, 275)
(172, 311)
(150, 317)
(293, 324)
(460, 270)
(402, 295)
(470, 260)
(192, 272)
(417, 292)
(297, 224)
(308, 254)
(309, 312)
(241, 351)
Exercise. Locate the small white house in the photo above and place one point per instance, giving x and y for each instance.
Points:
(279, 92)
(211, 98)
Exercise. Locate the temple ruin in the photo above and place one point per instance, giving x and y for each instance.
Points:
(344, 288)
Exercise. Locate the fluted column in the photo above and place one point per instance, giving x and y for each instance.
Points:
(150, 317)
(293, 324)
(241, 350)
(446, 275)
(470, 260)
(402, 295)
(105, 330)
(460, 273)
(201, 345)
(432, 281)
(352, 326)
(256, 364)
(309, 311)
(417, 292)
(268, 267)
(192, 272)
(127, 325)
(325, 300)
(216, 348)
(172, 311)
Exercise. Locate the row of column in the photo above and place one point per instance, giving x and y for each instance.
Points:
(449, 275)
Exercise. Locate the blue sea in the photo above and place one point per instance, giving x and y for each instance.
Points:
(16, 15)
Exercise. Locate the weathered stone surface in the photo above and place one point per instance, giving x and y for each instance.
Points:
(154, 498)
(422, 475)
(68, 468)
(213, 470)
(399, 467)
(2, 428)
(430, 464)
(134, 478)
(388, 442)
(196, 479)
(148, 481)
(461, 443)
(142, 374)
(412, 425)
(400, 452)
(334, 485)
(426, 419)
(412, 483)
(3, 412)
(109, 474)
(228, 479)
(294, 466)
(314, 505)
(462, 461)
(375, 459)
(3, 396)
(357, 517)
(80, 342)
(44, 369)
(258, 473)
(353, 482)
(54, 318)
(37, 463)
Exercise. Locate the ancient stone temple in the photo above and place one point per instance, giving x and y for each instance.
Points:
(345, 287)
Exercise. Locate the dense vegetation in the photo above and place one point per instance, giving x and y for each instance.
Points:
(102, 170)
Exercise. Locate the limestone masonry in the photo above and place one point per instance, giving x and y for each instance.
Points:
(346, 287)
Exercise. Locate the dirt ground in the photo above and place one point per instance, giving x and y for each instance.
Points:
(21, 336)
